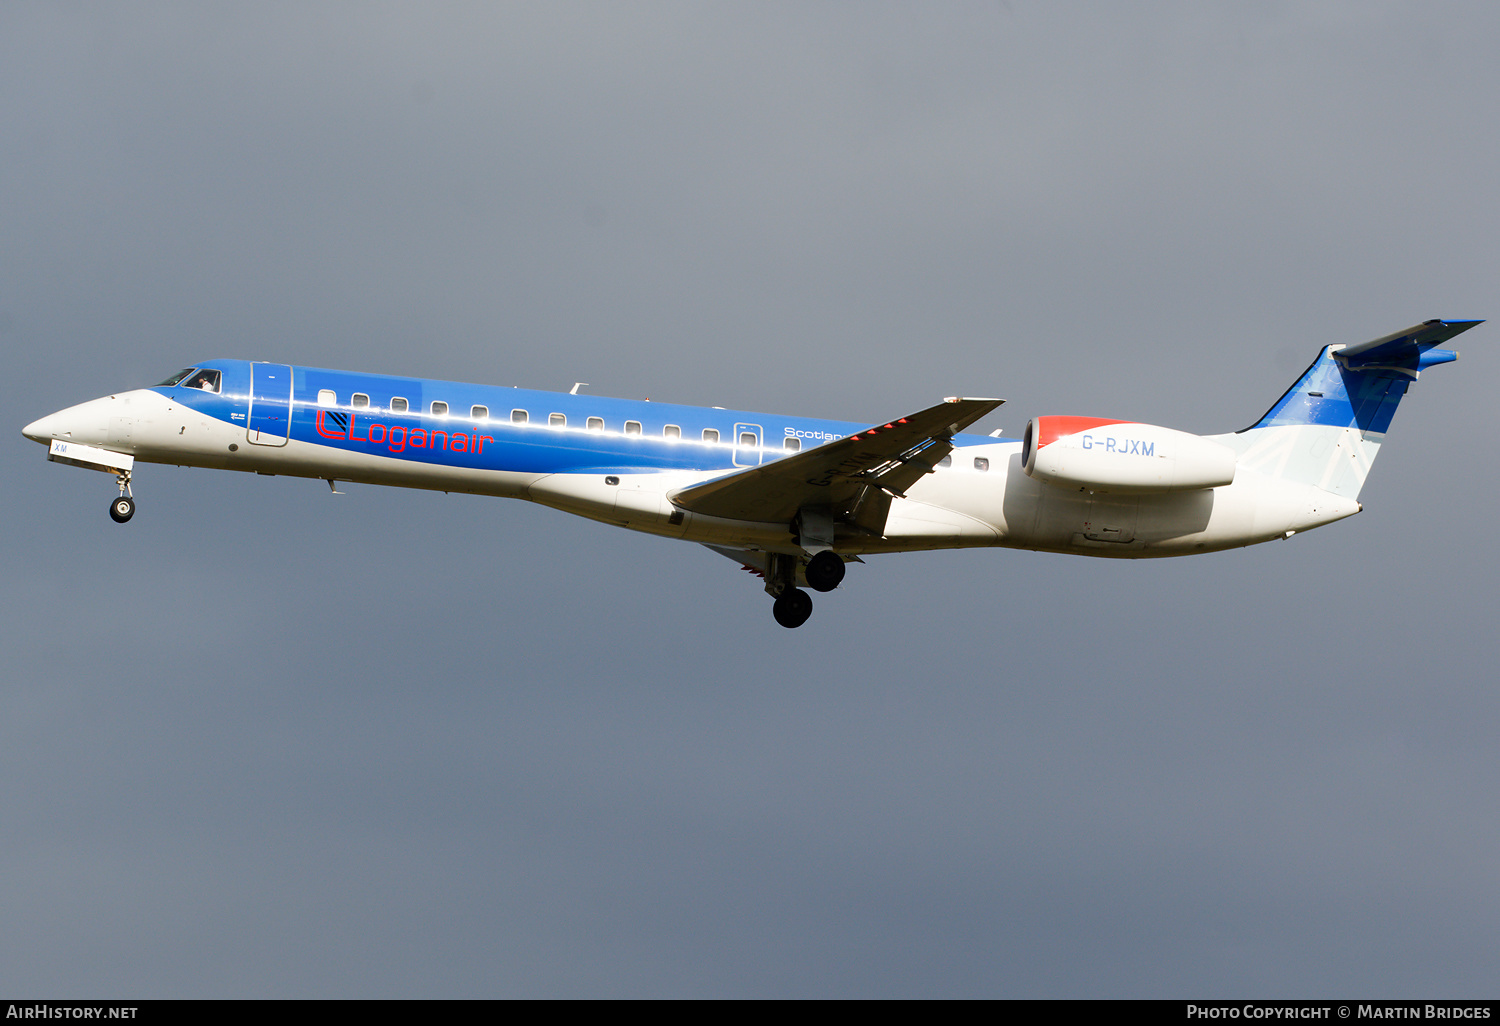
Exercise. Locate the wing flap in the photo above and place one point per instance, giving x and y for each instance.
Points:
(889, 457)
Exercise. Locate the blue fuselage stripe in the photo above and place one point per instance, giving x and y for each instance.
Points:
(496, 442)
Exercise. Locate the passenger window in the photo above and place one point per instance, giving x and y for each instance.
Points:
(479, 412)
(557, 419)
(671, 431)
(518, 416)
(748, 440)
(946, 461)
(710, 435)
(359, 400)
(439, 409)
(980, 463)
(596, 423)
(791, 444)
(632, 427)
(327, 398)
(398, 405)
(207, 380)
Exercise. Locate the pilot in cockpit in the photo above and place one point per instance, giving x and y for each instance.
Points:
(208, 380)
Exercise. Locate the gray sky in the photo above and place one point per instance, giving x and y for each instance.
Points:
(265, 741)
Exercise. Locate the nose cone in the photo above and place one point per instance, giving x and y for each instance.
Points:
(88, 422)
(41, 430)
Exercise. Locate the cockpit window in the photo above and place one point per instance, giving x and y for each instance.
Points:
(176, 378)
(207, 380)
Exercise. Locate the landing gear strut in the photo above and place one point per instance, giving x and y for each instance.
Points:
(792, 606)
(122, 508)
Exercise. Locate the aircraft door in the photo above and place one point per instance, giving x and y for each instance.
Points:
(747, 445)
(270, 417)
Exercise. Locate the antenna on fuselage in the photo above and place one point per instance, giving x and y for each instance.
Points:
(576, 386)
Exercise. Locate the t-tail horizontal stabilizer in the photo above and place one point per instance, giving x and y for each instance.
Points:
(1406, 352)
(1360, 386)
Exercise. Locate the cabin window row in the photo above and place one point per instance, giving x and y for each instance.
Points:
(980, 462)
(209, 380)
(438, 408)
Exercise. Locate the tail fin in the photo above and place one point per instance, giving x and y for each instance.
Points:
(1327, 428)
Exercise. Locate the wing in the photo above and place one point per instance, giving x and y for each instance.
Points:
(853, 477)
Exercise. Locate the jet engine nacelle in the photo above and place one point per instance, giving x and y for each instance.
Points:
(1122, 456)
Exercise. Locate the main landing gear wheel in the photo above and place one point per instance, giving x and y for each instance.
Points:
(122, 509)
(824, 571)
(793, 608)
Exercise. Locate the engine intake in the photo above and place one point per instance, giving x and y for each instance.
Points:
(1122, 456)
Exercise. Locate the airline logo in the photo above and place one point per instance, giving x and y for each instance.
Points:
(345, 427)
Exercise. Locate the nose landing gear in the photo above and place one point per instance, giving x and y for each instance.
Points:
(122, 508)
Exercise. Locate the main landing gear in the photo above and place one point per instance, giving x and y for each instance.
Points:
(123, 508)
(793, 606)
(824, 571)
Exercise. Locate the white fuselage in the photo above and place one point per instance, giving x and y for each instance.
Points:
(956, 506)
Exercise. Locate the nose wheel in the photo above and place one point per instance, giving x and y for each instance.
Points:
(123, 508)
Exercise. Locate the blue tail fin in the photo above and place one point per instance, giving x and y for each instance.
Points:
(1361, 386)
(1326, 430)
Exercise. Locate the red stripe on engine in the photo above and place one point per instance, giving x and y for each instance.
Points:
(1050, 429)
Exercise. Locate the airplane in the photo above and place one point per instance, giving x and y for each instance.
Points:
(792, 499)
